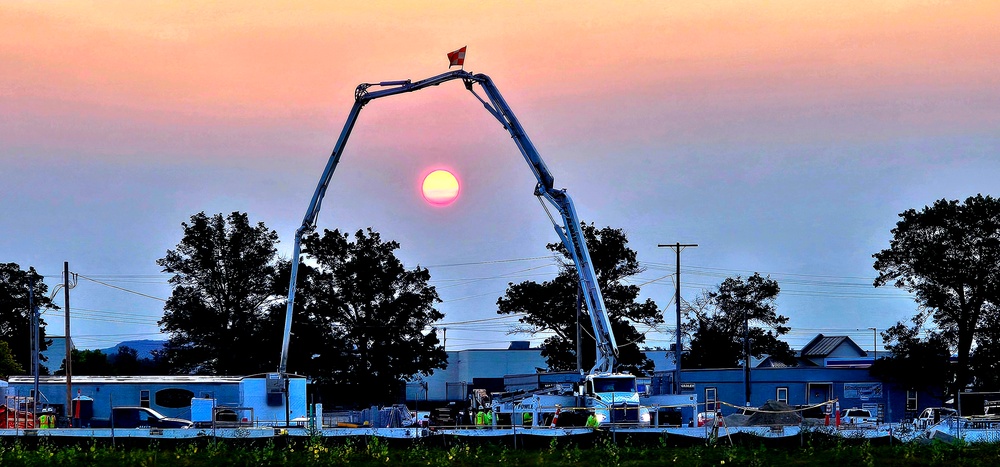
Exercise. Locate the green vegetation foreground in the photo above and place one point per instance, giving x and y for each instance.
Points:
(605, 453)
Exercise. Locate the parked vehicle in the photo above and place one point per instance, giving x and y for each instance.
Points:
(139, 417)
(933, 415)
(856, 416)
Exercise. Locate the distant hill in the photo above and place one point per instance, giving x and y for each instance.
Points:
(144, 348)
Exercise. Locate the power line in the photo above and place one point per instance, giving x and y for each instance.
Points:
(120, 288)
(494, 261)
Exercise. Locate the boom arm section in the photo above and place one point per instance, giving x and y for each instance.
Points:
(570, 232)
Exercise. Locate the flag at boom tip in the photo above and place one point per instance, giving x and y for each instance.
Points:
(457, 58)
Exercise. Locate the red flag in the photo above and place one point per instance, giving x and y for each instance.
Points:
(457, 58)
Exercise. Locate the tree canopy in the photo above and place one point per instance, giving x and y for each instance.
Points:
(948, 255)
(719, 320)
(124, 362)
(914, 362)
(8, 366)
(551, 306)
(224, 272)
(15, 312)
(363, 321)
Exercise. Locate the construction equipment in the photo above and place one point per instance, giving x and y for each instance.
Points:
(569, 230)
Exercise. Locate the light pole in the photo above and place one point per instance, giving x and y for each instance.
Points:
(874, 345)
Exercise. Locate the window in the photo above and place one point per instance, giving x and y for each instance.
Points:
(911, 400)
(614, 384)
(781, 395)
(711, 396)
(174, 398)
(144, 398)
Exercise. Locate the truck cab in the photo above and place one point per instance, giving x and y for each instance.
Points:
(614, 399)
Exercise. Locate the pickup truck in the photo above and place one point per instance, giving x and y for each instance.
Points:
(139, 417)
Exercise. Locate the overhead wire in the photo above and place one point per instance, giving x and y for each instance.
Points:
(814, 284)
(81, 276)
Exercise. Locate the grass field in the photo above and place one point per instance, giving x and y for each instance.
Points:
(603, 453)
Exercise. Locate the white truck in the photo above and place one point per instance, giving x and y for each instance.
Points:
(933, 415)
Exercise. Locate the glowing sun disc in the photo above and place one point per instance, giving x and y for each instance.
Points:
(440, 188)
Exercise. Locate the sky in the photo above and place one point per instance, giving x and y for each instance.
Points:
(783, 137)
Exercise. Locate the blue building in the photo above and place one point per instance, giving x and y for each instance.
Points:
(170, 395)
(827, 368)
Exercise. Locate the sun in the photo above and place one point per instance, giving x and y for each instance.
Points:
(440, 188)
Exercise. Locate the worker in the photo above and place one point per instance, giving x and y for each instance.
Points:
(480, 418)
(526, 418)
(46, 419)
(592, 420)
(488, 418)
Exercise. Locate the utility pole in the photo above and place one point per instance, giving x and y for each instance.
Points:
(874, 344)
(746, 355)
(35, 347)
(677, 247)
(69, 347)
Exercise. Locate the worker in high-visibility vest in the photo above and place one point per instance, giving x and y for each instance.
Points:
(488, 418)
(592, 421)
(480, 418)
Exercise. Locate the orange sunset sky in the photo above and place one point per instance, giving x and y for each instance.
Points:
(782, 136)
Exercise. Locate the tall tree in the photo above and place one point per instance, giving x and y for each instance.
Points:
(15, 312)
(551, 306)
(948, 255)
(920, 364)
(8, 366)
(721, 320)
(985, 358)
(363, 321)
(224, 271)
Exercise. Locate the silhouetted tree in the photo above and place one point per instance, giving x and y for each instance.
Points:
(720, 321)
(8, 366)
(915, 363)
(985, 358)
(551, 306)
(90, 363)
(224, 271)
(948, 255)
(125, 362)
(15, 313)
(362, 323)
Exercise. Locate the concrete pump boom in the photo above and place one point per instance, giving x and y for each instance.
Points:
(569, 232)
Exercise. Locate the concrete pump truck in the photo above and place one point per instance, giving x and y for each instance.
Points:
(611, 396)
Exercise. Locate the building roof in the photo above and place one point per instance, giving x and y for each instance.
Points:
(822, 346)
(775, 363)
(153, 379)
